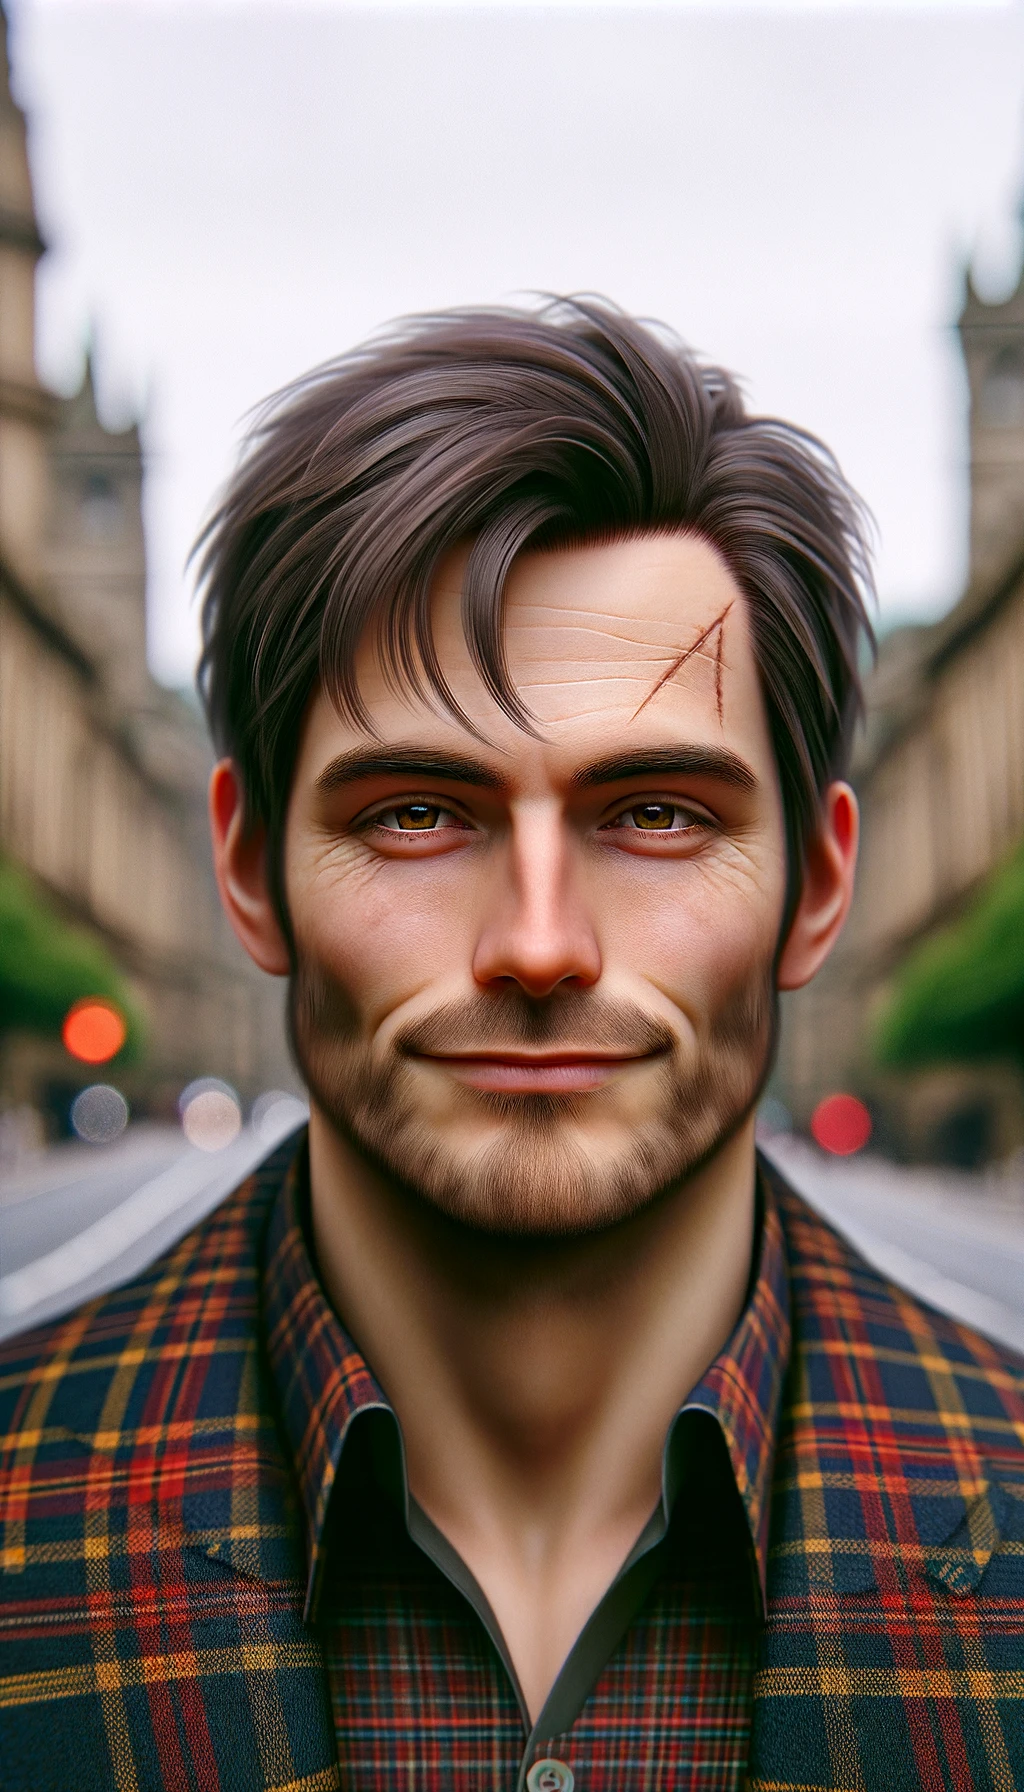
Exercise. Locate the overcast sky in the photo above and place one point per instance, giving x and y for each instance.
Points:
(234, 192)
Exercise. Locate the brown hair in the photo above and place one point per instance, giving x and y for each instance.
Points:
(515, 429)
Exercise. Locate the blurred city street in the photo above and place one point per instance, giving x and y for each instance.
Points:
(77, 1219)
(122, 991)
(61, 1191)
(953, 1238)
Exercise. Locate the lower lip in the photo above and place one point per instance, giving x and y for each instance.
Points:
(505, 1076)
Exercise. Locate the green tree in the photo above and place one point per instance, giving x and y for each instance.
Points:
(960, 994)
(46, 965)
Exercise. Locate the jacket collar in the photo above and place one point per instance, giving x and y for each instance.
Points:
(324, 1385)
(816, 1526)
(743, 1387)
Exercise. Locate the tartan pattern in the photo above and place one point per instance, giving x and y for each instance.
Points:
(673, 1707)
(893, 1653)
(151, 1616)
(421, 1699)
(153, 1576)
(419, 1693)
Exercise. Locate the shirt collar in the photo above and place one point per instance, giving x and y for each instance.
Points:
(323, 1384)
(742, 1389)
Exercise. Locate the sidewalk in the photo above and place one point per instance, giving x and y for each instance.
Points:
(954, 1239)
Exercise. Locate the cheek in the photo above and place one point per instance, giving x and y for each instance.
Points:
(381, 931)
(700, 938)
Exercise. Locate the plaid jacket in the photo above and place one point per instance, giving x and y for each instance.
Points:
(153, 1575)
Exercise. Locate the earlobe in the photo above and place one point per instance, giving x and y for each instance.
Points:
(826, 893)
(240, 865)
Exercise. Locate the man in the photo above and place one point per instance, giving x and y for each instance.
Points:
(520, 1429)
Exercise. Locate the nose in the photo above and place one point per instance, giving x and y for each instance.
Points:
(538, 933)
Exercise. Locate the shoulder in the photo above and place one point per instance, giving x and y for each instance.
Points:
(910, 1424)
(836, 1291)
(149, 1522)
(95, 1371)
(897, 1535)
(845, 1309)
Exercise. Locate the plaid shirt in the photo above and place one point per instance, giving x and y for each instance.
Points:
(156, 1558)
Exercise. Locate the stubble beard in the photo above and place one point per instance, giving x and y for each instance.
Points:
(536, 1178)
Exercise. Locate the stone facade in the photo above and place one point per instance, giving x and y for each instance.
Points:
(102, 771)
(940, 775)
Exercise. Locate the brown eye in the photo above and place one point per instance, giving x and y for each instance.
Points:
(418, 816)
(415, 817)
(654, 815)
(660, 818)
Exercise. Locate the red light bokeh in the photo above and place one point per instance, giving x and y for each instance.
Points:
(841, 1124)
(93, 1031)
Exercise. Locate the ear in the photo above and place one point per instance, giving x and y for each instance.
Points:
(827, 890)
(240, 864)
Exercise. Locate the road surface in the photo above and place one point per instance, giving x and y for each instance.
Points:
(81, 1219)
(71, 1186)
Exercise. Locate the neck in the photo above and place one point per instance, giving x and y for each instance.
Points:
(535, 1379)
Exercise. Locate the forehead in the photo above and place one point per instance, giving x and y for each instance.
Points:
(630, 642)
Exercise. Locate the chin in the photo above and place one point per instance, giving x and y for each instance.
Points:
(539, 1178)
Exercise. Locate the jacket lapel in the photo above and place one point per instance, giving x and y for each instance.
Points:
(239, 1507)
(239, 1515)
(224, 1507)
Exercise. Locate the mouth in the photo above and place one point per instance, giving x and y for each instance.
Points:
(537, 1073)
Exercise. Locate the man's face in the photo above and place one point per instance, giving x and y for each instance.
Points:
(535, 976)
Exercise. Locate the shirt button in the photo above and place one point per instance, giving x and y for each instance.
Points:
(550, 1776)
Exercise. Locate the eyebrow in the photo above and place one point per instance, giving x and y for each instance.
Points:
(687, 762)
(455, 768)
(458, 768)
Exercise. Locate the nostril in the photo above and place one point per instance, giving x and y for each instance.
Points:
(540, 976)
(538, 934)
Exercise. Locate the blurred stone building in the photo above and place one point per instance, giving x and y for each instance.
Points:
(940, 776)
(102, 771)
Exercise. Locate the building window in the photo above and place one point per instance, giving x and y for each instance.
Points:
(101, 506)
(1002, 392)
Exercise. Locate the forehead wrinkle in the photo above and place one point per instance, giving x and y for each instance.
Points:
(562, 631)
(620, 639)
(611, 627)
(566, 615)
(550, 665)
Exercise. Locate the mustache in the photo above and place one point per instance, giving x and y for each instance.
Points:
(574, 1019)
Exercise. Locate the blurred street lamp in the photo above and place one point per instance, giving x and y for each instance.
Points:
(99, 1114)
(94, 1030)
(841, 1125)
(211, 1113)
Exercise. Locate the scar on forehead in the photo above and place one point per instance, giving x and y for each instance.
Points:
(716, 629)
